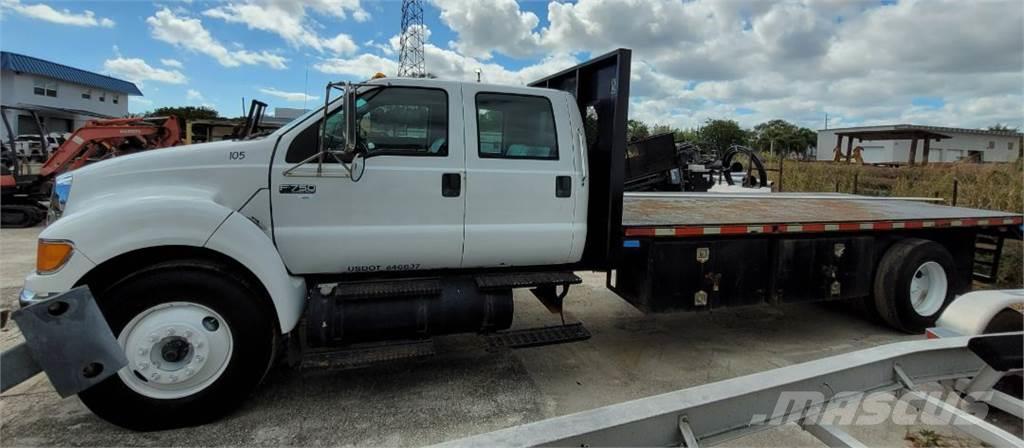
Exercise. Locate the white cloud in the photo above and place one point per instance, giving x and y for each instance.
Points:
(47, 13)
(498, 26)
(288, 19)
(295, 97)
(137, 70)
(445, 64)
(194, 95)
(189, 33)
(754, 61)
(174, 63)
(362, 66)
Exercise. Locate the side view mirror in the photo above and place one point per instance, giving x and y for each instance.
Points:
(351, 125)
(340, 139)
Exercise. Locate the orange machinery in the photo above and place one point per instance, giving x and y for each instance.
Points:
(23, 194)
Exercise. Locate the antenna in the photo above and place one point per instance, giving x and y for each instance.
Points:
(410, 56)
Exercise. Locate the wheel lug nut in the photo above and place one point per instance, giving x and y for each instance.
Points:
(170, 332)
(174, 378)
(199, 344)
(143, 352)
(199, 358)
(143, 366)
(188, 334)
(189, 372)
(153, 337)
(155, 376)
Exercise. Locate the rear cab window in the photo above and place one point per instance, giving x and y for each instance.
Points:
(513, 126)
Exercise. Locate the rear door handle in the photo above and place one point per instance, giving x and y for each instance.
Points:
(563, 186)
(451, 185)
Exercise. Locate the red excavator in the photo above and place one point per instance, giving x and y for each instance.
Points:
(23, 193)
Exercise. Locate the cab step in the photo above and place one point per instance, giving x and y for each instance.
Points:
(988, 250)
(367, 354)
(526, 280)
(535, 337)
(381, 289)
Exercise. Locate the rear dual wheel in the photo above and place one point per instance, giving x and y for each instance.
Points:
(914, 282)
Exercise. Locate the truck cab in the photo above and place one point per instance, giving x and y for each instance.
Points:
(452, 176)
(204, 258)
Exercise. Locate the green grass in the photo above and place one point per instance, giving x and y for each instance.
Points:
(991, 186)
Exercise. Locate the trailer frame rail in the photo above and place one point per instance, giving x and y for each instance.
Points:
(725, 410)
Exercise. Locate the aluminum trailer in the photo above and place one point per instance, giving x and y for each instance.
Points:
(817, 395)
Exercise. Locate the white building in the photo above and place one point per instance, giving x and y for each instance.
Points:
(63, 97)
(892, 144)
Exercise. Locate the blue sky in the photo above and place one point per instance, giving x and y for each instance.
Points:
(221, 87)
(860, 61)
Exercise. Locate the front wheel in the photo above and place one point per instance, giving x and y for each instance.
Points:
(914, 282)
(197, 342)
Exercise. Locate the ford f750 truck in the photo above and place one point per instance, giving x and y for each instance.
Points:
(408, 208)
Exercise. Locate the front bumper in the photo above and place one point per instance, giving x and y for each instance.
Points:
(29, 297)
(43, 287)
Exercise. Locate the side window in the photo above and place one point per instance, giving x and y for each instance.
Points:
(391, 121)
(515, 127)
(404, 121)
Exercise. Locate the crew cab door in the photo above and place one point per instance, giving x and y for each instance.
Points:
(523, 179)
(403, 212)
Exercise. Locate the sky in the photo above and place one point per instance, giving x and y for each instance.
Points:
(933, 62)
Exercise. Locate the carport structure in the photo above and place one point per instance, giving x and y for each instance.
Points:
(899, 132)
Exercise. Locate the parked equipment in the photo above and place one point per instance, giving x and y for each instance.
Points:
(96, 140)
(657, 163)
(410, 208)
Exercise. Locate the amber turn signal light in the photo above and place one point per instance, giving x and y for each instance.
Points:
(52, 255)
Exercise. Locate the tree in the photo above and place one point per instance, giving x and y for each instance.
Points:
(1001, 127)
(719, 135)
(186, 113)
(636, 130)
(688, 135)
(783, 137)
(662, 129)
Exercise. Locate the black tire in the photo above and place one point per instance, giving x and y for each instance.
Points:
(251, 324)
(894, 274)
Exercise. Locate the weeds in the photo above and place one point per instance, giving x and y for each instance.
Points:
(991, 186)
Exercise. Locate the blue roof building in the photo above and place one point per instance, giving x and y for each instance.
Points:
(63, 97)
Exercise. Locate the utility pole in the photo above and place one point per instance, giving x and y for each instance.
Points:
(410, 57)
(826, 120)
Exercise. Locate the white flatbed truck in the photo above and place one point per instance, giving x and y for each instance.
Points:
(410, 208)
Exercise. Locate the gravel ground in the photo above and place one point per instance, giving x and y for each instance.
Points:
(466, 389)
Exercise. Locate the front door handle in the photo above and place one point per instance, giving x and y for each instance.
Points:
(451, 185)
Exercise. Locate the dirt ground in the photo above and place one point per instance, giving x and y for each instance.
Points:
(466, 389)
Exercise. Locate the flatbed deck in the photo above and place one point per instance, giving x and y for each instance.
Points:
(697, 214)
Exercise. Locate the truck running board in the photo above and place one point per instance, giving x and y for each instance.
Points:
(381, 289)
(526, 280)
(367, 354)
(535, 337)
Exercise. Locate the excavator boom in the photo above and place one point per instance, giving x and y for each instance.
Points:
(109, 138)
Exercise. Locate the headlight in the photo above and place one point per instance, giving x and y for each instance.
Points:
(59, 197)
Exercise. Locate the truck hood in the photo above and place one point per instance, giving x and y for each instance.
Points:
(226, 172)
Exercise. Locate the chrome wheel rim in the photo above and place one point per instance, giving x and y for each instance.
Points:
(928, 288)
(175, 350)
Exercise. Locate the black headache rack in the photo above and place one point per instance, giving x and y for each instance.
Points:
(601, 88)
